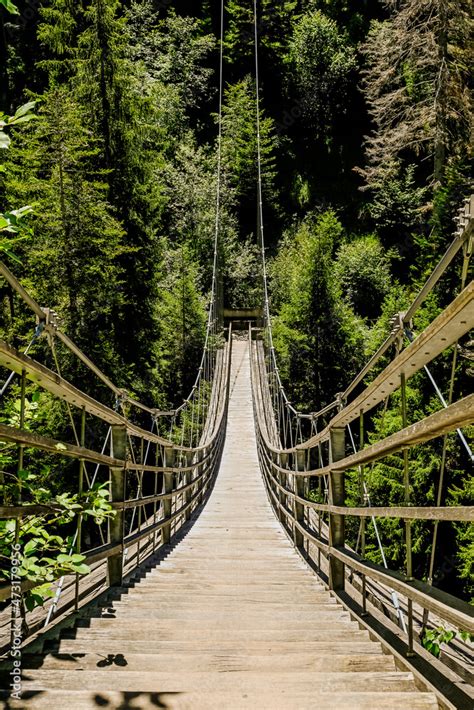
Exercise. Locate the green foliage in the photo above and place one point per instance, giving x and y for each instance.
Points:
(239, 142)
(446, 202)
(57, 32)
(182, 317)
(317, 337)
(434, 638)
(45, 550)
(274, 28)
(363, 272)
(242, 274)
(9, 6)
(12, 222)
(174, 51)
(398, 202)
(21, 115)
(462, 493)
(75, 229)
(321, 63)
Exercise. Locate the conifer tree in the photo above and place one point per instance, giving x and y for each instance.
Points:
(273, 26)
(317, 337)
(239, 149)
(416, 85)
(77, 239)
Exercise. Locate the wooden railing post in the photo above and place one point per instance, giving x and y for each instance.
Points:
(169, 462)
(210, 468)
(117, 489)
(300, 461)
(274, 476)
(336, 497)
(188, 477)
(200, 490)
(282, 480)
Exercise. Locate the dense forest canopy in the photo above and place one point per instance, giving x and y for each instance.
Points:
(365, 113)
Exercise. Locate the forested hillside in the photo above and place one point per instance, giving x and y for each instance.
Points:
(365, 127)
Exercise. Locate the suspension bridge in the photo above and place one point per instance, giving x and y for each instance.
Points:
(225, 579)
(220, 582)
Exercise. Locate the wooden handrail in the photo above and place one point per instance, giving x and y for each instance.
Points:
(203, 458)
(446, 606)
(288, 498)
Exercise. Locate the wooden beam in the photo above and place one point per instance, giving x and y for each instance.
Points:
(337, 522)
(461, 513)
(457, 415)
(118, 480)
(446, 420)
(444, 605)
(8, 512)
(53, 383)
(61, 388)
(456, 320)
(35, 441)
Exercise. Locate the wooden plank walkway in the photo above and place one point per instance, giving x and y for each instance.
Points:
(233, 618)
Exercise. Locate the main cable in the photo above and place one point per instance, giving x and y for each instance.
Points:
(260, 226)
(273, 374)
(212, 325)
(219, 160)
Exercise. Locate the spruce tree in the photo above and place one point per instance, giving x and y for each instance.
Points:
(73, 256)
(417, 88)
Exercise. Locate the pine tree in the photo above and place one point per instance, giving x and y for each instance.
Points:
(273, 25)
(58, 34)
(239, 150)
(416, 85)
(78, 240)
(317, 337)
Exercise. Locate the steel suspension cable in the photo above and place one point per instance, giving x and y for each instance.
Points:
(207, 364)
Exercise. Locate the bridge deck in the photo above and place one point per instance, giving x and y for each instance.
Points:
(233, 618)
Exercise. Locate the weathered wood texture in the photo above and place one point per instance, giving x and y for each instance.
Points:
(232, 618)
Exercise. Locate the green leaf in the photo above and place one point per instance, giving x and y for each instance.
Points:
(22, 119)
(77, 558)
(63, 559)
(10, 7)
(22, 211)
(81, 569)
(4, 140)
(23, 110)
(25, 475)
(33, 600)
(30, 546)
